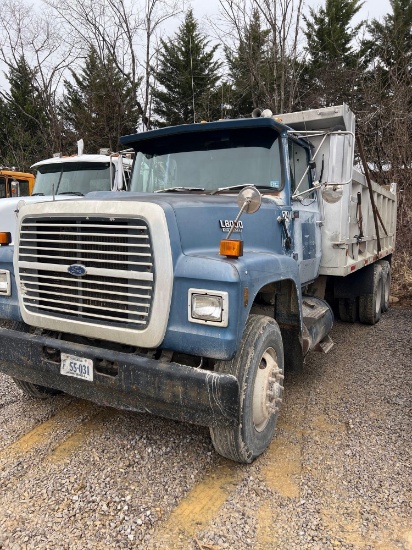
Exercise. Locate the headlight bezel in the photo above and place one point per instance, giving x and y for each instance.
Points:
(5, 283)
(219, 304)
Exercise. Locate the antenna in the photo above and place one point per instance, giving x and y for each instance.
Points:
(191, 71)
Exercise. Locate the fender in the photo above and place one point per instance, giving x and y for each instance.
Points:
(9, 305)
(244, 276)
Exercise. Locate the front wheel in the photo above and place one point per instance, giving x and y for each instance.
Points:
(258, 366)
(28, 388)
(35, 390)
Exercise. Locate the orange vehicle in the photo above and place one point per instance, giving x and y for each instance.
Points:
(15, 184)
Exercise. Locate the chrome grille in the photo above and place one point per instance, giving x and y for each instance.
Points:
(117, 289)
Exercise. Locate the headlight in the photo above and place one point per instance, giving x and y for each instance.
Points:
(208, 307)
(5, 287)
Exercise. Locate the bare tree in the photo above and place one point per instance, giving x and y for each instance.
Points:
(25, 33)
(122, 29)
(282, 19)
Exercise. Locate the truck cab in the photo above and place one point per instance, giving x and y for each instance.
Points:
(14, 183)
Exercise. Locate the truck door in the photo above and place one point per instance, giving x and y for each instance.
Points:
(305, 213)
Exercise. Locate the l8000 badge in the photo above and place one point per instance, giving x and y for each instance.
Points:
(225, 225)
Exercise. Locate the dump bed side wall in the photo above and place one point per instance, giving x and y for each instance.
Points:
(342, 251)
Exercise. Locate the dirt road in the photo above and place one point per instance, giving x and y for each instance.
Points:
(337, 475)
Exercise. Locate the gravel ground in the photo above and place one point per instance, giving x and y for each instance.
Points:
(337, 475)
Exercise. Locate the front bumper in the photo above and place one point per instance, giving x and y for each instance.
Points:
(140, 384)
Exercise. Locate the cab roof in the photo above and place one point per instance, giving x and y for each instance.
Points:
(227, 124)
(79, 158)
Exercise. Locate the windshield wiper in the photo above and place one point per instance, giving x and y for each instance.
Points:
(241, 186)
(37, 194)
(179, 189)
(77, 193)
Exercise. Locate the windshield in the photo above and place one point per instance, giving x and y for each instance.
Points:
(79, 177)
(209, 160)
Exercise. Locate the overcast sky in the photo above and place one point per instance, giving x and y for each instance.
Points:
(372, 9)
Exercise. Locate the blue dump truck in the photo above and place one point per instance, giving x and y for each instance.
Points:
(189, 296)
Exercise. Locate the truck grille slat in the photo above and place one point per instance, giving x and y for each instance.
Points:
(51, 225)
(44, 286)
(113, 254)
(86, 316)
(86, 305)
(32, 293)
(64, 276)
(58, 234)
(53, 241)
(82, 259)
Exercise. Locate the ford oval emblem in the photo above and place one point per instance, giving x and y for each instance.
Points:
(77, 269)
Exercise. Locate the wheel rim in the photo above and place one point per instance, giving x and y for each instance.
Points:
(267, 391)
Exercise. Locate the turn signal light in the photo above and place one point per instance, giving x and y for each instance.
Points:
(5, 238)
(233, 249)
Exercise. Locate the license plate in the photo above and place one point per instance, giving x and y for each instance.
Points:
(79, 367)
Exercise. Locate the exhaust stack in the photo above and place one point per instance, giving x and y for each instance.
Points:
(257, 113)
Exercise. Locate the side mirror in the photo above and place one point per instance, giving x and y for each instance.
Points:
(15, 188)
(249, 201)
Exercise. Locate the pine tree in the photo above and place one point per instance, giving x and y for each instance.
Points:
(24, 122)
(99, 105)
(389, 46)
(329, 76)
(187, 75)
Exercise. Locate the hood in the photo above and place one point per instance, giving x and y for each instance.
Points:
(204, 220)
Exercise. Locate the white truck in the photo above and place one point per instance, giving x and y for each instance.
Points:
(170, 299)
(58, 178)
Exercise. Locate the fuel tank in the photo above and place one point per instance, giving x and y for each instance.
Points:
(317, 323)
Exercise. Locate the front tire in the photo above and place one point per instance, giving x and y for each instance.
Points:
(34, 390)
(258, 366)
(28, 388)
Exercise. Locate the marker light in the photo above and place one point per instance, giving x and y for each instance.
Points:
(5, 238)
(232, 249)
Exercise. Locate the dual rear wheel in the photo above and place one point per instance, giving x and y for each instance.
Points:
(368, 307)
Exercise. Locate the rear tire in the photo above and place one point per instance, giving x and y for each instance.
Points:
(258, 366)
(386, 284)
(348, 310)
(370, 304)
